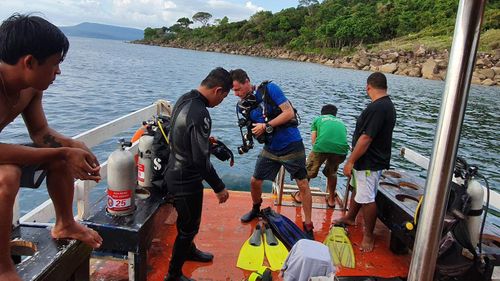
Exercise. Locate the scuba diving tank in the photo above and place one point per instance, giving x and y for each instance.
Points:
(145, 161)
(474, 218)
(122, 181)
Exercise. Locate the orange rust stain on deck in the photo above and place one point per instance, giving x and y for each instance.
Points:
(222, 233)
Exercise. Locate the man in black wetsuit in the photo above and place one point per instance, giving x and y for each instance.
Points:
(189, 164)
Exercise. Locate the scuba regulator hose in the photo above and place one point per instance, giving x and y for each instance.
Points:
(162, 131)
(241, 128)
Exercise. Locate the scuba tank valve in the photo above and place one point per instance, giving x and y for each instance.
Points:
(122, 181)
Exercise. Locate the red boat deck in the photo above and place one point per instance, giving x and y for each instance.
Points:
(222, 233)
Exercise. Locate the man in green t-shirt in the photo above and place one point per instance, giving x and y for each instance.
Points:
(329, 140)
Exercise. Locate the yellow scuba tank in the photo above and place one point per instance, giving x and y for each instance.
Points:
(122, 181)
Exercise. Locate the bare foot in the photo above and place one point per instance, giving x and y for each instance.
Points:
(367, 243)
(345, 220)
(330, 201)
(10, 275)
(78, 232)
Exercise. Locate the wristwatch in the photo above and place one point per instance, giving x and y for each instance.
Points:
(269, 128)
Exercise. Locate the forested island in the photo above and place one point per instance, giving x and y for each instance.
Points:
(410, 38)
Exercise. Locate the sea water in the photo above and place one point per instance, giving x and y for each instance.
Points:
(103, 79)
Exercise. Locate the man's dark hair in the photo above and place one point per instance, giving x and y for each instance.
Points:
(22, 35)
(239, 75)
(377, 80)
(329, 109)
(218, 77)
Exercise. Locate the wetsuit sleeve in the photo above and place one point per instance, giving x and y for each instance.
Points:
(199, 134)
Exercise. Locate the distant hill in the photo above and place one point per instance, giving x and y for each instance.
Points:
(103, 31)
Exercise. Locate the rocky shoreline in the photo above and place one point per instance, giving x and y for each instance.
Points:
(420, 62)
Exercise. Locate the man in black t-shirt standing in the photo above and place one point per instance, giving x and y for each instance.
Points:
(371, 141)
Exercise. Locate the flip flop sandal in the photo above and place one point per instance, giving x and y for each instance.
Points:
(294, 197)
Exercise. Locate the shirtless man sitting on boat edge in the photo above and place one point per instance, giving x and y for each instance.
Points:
(31, 50)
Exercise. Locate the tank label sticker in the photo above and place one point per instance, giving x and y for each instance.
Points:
(140, 172)
(119, 200)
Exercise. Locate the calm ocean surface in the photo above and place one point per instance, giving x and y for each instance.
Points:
(102, 80)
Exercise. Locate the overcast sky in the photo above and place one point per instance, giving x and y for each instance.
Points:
(138, 13)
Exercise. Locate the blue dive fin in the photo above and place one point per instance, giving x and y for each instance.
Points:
(285, 229)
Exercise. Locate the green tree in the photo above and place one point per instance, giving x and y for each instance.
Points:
(326, 27)
(185, 22)
(177, 28)
(202, 17)
(149, 33)
(223, 21)
(308, 4)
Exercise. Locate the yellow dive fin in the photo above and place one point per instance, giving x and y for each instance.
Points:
(340, 247)
(263, 274)
(276, 252)
(251, 254)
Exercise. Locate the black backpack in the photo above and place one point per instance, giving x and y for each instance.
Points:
(276, 110)
(160, 149)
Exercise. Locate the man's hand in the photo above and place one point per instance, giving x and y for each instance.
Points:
(348, 168)
(78, 144)
(258, 129)
(82, 164)
(222, 196)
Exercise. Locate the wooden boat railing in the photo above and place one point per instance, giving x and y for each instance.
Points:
(44, 214)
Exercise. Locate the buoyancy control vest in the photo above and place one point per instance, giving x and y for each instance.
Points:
(275, 109)
(160, 149)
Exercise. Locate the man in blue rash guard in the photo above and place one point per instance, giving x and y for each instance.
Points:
(189, 164)
(273, 119)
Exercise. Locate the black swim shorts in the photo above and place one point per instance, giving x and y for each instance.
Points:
(32, 176)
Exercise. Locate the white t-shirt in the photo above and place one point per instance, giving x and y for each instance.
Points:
(307, 259)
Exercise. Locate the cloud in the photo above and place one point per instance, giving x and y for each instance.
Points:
(131, 13)
(166, 13)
